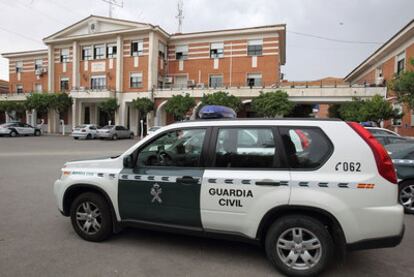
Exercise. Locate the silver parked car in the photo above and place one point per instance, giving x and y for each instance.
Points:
(114, 132)
(86, 131)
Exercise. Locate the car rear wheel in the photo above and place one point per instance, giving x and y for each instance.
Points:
(13, 134)
(131, 136)
(299, 245)
(91, 217)
(406, 196)
(37, 133)
(115, 137)
(89, 136)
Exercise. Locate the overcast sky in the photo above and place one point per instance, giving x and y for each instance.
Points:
(23, 24)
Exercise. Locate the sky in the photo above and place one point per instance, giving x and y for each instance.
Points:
(363, 24)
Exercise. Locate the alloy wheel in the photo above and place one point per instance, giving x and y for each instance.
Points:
(88, 218)
(407, 197)
(299, 248)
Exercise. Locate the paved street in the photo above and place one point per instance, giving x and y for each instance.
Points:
(35, 240)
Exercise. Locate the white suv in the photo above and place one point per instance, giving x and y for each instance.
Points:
(306, 189)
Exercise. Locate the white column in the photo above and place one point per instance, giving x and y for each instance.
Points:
(28, 117)
(119, 62)
(152, 61)
(34, 118)
(75, 65)
(7, 117)
(51, 65)
(74, 112)
(80, 113)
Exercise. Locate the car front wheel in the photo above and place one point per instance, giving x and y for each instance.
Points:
(299, 245)
(13, 134)
(91, 217)
(406, 196)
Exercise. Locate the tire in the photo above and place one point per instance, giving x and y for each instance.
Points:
(13, 134)
(37, 133)
(100, 226)
(131, 136)
(89, 136)
(406, 196)
(114, 137)
(280, 244)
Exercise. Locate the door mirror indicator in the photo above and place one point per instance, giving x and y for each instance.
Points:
(128, 162)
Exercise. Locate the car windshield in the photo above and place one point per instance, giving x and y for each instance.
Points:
(108, 127)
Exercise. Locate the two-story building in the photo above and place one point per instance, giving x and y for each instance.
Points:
(380, 67)
(98, 58)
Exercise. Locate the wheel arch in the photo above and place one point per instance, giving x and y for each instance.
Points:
(329, 220)
(76, 189)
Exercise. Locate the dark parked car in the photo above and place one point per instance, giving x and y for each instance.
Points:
(14, 129)
(402, 155)
(392, 139)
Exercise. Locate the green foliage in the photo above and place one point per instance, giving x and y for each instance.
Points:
(109, 107)
(223, 99)
(60, 102)
(179, 105)
(12, 106)
(403, 85)
(38, 101)
(301, 111)
(333, 111)
(272, 104)
(143, 105)
(375, 109)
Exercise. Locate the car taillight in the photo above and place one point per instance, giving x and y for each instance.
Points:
(383, 160)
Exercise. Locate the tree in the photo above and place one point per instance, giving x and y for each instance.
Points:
(38, 101)
(352, 111)
(60, 102)
(378, 109)
(223, 99)
(143, 105)
(403, 85)
(301, 111)
(179, 105)
(12, 108)
(333, 111)
(109, 107)
(272, 104)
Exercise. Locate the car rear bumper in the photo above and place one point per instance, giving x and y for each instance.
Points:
(383, 242)
(79, 135)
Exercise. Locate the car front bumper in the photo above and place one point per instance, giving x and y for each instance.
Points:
(104, 135)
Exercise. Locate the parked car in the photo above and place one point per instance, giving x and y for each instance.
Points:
(114, 132)
(86, 131)
(153, 129)
(14, 129)
(381, 131)
(391, 139)
(403, 158)
(303, 195)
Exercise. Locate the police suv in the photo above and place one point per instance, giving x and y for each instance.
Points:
(307, 190)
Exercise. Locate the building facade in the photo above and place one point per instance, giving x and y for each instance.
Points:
(99, 58)
(382, 66)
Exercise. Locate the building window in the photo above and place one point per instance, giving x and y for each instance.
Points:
(99, 52)
(217, 50)
(64, 84)
(400, 62)
(135, 80)
(216, 81)
(19, 66)
(137, 48)
(38, 64)
(86, 53)
(111, 51)
(19, 89)
(398, 108)
(64, 55)
(161, 50)
(181, 52)
(254, 80)
(38, 88)
(98, 82)
(255, 47)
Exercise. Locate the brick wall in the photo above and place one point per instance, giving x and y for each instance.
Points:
(28, 78)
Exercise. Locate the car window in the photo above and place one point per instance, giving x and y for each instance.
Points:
(396, 140)
(409, 156)
(92, 127)
(119, 128)
(305, 147)
(245, 148)
(382, 140)
(179, 148)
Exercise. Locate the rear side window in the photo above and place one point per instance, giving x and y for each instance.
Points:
(245, 148)
(305, 147)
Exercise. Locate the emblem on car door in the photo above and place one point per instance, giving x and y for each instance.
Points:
(156, 190)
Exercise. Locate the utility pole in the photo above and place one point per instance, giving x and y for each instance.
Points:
(180, 15)
(112, 3)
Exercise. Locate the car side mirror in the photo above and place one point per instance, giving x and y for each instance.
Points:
(128, 162)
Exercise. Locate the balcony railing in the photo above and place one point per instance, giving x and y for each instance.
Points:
(94, 89)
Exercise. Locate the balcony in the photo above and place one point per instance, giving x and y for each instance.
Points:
(93, 92)
(15, 96)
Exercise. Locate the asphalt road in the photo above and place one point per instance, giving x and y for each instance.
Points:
(35, 240)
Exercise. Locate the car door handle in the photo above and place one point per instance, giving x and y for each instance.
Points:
(268, 183)
(188, 180)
